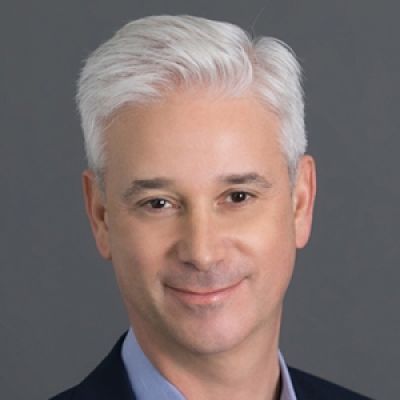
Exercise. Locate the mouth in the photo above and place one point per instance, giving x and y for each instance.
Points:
(204, 296)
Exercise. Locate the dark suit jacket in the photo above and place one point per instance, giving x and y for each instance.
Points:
(109, 381)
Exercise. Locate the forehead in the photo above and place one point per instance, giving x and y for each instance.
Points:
(194, 133)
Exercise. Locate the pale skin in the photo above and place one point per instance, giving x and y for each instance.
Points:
(202, 224)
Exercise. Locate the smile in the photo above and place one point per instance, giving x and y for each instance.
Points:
(203, 297)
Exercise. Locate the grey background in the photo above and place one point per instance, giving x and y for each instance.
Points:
(60, 311)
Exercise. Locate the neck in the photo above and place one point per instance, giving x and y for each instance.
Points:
(250, 370)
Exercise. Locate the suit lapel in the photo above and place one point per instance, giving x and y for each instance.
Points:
(108, 381)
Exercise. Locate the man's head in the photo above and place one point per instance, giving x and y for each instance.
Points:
(197, 137)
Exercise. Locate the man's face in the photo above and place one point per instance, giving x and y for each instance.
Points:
(200, 220)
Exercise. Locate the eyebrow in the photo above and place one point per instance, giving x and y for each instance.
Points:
(249, 178)
(140, 185)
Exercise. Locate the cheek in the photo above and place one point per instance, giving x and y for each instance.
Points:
(269, 233)
(136, 255)
(271, 249)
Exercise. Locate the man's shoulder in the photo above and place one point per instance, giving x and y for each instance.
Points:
(310, 387)
(66, 395)
(108, 380)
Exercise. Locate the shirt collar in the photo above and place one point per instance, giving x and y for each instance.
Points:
(287, 389)
(149, 384)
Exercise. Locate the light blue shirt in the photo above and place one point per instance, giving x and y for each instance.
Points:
(149, 384)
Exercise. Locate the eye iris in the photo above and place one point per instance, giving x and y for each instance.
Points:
(237, 197)
(158, 203)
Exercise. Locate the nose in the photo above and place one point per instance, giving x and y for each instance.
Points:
(201, 241)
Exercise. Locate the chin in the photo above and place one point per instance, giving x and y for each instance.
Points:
(212, 336)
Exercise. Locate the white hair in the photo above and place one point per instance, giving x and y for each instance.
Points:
(151, 56)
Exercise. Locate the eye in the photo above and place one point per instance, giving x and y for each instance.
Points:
(157, 204)
(238, 197)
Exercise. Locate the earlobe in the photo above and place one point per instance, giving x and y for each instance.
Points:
(304, 197)
(96, 212)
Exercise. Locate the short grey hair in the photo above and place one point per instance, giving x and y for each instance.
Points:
(149, 57)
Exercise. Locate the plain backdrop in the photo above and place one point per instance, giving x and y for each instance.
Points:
(60, 311)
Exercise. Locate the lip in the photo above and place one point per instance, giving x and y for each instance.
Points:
(201, 297)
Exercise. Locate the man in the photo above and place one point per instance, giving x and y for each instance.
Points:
(199, 192)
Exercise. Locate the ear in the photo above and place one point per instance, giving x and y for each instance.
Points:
(97, 212)
(303, 199)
